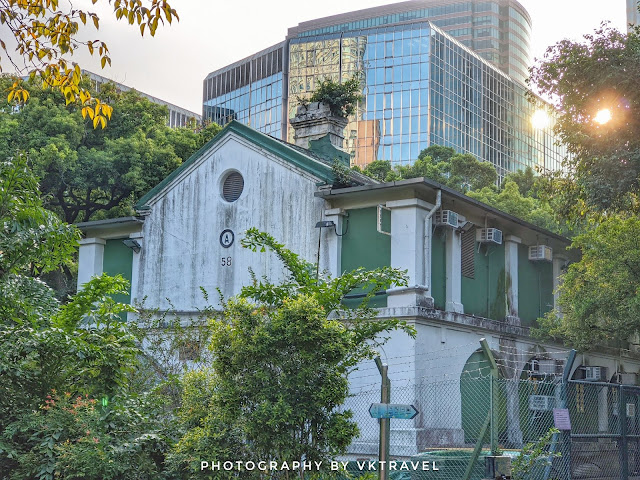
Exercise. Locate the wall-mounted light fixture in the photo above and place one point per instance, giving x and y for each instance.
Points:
(330, 223)
(325, 224)
(465, 227)
(132, 244)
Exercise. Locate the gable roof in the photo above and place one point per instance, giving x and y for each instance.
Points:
(310, 163)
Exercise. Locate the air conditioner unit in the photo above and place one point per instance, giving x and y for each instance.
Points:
(549, 367)
(595, 374)
(541, 403)
(631, 409)
(540, 253)
(446, 218)
(489, 235)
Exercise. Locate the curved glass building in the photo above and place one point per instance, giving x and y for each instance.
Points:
(433, 72)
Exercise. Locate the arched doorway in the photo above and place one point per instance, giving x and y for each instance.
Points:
(475, 394)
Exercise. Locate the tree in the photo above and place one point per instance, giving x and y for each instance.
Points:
(467, 173)
(57, 361)
(599, 297)
(461, 172)
(32, 241)
(47, 35)
(378, 170)
(526, 180)
(91, 174)
(281, 356)
(438, 153)
(511, 201)
(584, 78)
(591, 81)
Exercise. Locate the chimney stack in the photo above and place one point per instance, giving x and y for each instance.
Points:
(314, 121)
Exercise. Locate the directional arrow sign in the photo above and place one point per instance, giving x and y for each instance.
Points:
(392, 410)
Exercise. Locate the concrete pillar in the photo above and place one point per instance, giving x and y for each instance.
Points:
(407, 252)
(511, 272)
(332, 262)
(603, 410)
(559, 262)
(90, 258)
(135, 267)
(510, 356)
(454, 271)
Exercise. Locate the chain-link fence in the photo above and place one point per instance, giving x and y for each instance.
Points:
(605, 430)
(461, 421)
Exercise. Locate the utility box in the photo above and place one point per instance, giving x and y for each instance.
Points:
(497, 467)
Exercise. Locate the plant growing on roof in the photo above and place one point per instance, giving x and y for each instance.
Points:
(342, 98)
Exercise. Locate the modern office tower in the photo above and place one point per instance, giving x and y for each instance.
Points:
(632, 13)
(178, 116)
(250, 91)
(422, 85)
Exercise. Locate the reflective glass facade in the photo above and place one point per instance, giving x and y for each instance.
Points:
(421, 86)
(497, 30)
(250, 91)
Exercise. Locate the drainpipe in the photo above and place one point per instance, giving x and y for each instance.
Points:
(427, 242)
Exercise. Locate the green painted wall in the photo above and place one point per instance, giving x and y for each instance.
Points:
(363, 246)
(535, 287)
(475, 394)
(484, 295)
(118, 259)
(439, 268)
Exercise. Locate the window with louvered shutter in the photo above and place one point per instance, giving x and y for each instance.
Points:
(232, 187)
(468, 253)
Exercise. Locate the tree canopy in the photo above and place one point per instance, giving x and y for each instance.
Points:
(57, 361)
(279, 369)
(458, 171)
(517, 195)
(46, 34)
(598, 74)
(599, 297)
(594, 86)
(88, 174)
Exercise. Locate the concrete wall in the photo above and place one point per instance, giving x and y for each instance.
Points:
(182, 233)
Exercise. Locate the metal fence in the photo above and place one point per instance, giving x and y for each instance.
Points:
(461, 419)
(605, 430)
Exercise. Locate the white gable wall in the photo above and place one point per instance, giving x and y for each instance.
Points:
(182, 233)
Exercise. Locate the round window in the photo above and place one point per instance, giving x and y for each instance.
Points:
(232, 187)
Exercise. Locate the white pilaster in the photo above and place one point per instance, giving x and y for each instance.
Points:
(90, 259)
(558, 266)
(408, 250)
(511, 271)
(135, 266)
(454, 271)
(334, 241)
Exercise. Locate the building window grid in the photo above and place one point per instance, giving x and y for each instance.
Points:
(474, 139)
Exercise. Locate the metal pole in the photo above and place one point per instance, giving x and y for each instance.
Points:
(385, 423)
(622, 445)
(565, 437)
(493, 435)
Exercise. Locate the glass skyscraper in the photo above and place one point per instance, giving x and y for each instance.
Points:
(422, 85)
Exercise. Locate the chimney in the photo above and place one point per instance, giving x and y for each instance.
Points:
(315, 121)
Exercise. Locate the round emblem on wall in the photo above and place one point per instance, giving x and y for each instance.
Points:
(226, 238)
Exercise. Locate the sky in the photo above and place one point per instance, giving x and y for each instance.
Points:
(211, 34)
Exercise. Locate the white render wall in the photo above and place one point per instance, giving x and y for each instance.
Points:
(182, 233)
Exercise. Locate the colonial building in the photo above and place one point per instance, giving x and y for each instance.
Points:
(474, 272)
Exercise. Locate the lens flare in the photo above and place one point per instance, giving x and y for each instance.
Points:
(603, 116)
